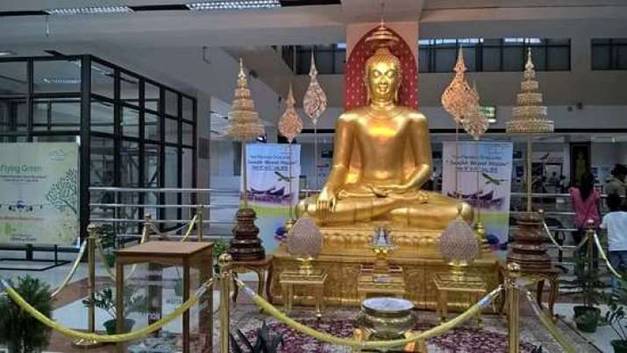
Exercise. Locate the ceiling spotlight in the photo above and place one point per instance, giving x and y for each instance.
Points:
(6, 53)
(234, 5)
(89, 10)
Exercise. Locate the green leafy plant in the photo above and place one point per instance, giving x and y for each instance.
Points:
(266, 342)
(133, 303)
(615, 316)
(587, 315)
(107, 241)
(19, 330)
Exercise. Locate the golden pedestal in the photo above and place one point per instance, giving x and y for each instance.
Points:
(314, 282)
(472, 286)
(345, 250)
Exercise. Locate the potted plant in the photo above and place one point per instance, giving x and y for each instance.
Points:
(19, 330)
(107, 241)
(133, 303)
(266, 342)
(587, 315)
(615, 317)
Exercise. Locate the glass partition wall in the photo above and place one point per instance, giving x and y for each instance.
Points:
(132, 131)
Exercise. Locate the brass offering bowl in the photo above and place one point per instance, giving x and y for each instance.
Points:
(386, 317)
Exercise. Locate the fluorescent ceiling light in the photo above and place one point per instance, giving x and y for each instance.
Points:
(61, 81)
(234, 5)
(6, 53)
(89, 10)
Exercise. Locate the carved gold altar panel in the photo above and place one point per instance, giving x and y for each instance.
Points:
(343, 275)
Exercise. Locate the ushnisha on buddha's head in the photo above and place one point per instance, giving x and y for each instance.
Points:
(383, 76)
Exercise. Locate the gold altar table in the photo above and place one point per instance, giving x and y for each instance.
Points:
(473, 287)
(315, 281)
(343, 271)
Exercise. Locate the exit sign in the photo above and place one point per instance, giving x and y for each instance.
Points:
(489, 112)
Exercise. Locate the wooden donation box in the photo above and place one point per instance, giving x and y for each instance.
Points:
(152, 280)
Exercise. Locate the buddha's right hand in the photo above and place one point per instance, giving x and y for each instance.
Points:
(326, 202)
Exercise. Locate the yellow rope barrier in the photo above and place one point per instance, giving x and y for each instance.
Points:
(191, 227)
(550, 235)
(73, 269)
(550, 326)
(604, 257)
(270, 309)
(19, 300)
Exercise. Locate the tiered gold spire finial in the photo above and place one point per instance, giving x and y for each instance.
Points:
(245, 123)
(529, 116)
(458, 98)
(290, 124)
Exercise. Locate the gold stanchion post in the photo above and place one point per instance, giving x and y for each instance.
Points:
(590, 245)
(225, 262)
(147, 223)
(513, 308)
(199, 224)
(94, 231)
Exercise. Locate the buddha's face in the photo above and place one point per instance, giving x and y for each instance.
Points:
(383, 80)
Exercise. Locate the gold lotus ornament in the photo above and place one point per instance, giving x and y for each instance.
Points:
(459, 247)
(304, 242)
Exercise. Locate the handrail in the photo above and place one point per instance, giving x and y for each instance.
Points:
(124, 205)
(161, 190)
(127, 220)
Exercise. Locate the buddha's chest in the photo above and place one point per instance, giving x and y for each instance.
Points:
(381, 133)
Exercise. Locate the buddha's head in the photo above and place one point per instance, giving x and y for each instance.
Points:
(383, 76)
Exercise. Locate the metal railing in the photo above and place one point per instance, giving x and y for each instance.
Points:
(128, 217)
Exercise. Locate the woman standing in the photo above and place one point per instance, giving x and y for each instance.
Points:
(585, 200)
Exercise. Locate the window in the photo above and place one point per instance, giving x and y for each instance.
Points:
(504, 54)
(330, 58)
(609, 54)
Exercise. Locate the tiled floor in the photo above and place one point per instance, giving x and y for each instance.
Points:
(70, 311)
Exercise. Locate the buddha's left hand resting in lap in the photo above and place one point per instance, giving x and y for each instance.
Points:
(382, 158)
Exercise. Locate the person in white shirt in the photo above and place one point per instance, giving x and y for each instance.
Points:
(615, 223)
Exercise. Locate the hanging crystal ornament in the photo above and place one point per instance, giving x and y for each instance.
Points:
(475, 123)
(314, 104)
(290, 124)
(458, 98)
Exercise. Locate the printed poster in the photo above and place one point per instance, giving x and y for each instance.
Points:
(39, 193)
(483, 172)
(273, 186)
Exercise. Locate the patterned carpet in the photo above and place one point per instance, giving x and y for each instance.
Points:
(491, 337)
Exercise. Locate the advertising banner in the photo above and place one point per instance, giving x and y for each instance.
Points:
(39, 193)
(268, 168)
(484, 172)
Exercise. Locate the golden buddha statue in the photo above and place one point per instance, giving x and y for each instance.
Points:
(381, 160)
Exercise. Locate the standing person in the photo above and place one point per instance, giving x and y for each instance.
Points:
(585, 201)
(615, 223)
(616, 183)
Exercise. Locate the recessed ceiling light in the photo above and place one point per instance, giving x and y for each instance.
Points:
(234, 5)
(89, 10)
(6, 53)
